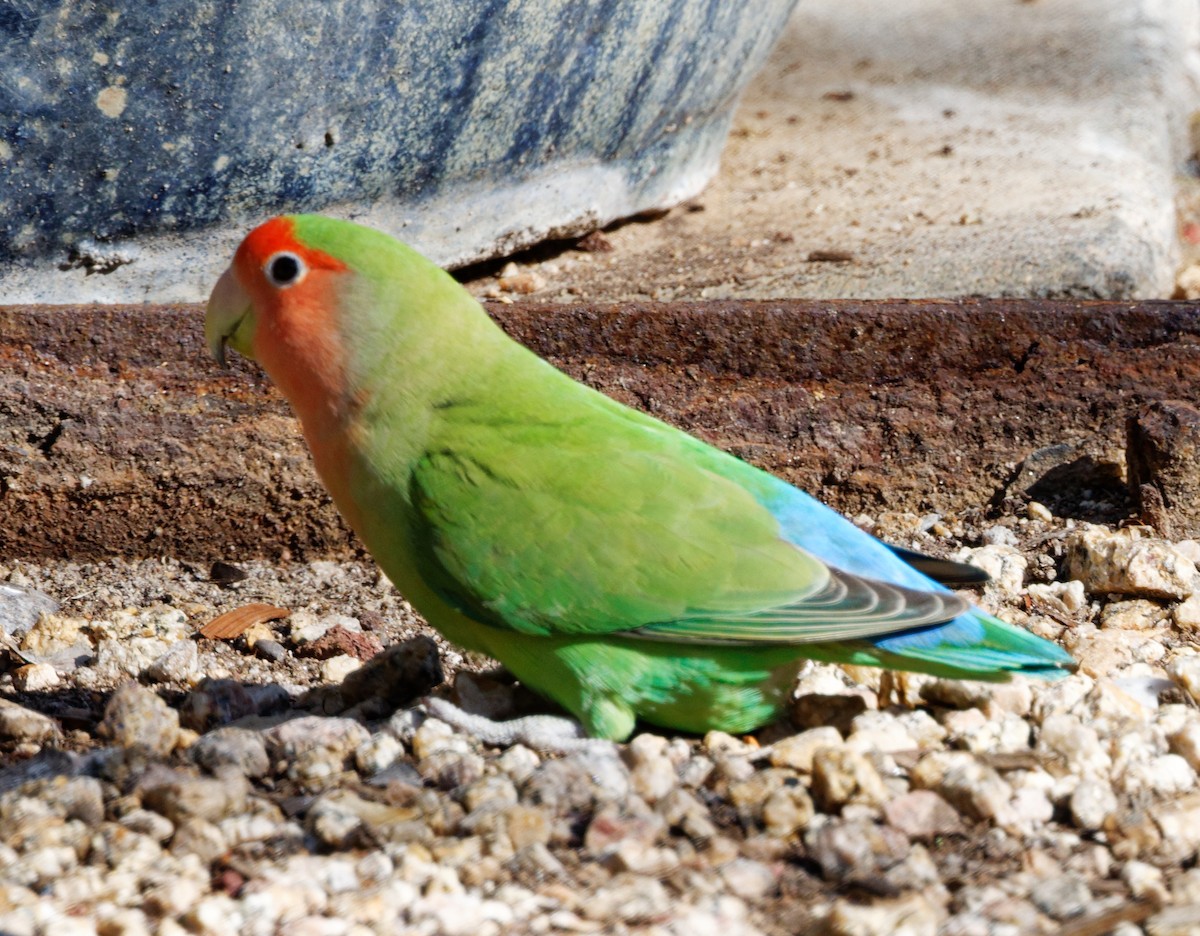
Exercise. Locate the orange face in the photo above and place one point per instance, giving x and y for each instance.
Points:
(277, 303)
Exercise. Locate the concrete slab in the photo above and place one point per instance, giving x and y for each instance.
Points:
(931, 148)
(139, 142)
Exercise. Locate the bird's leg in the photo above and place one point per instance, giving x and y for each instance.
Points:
(546, 734)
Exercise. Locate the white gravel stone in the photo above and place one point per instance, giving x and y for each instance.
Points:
(174, 897)
(923, 728)
(796, 751)
(35, 677)
(1124, 562)
(1063, 597)
(628, 898)
(879, 731)
(1185, 887)
(1065, 695)
(56, 636)
(1190, 548)
(998, 536)
(1179, 823)
(747, 879)
(1092, 803)
(1145, 881)
(137, 719)
(1134, 614)
(1174, 921)
(1110, 708)
(966, 784)
(146, 822)
(179, 663)
(786, 811)
(1067, 737)
(121, 658)
(843, 775)
(337, 668)
(231, 749)
(1036, 510)
(652, 775)
(1028, 811)
(1186, 614)
(912, 915)
(434, 736)
(307, 627)
(1171, 775)
(214, 915)
(640, 858)
(696, 771)
(1005, 564)
(1185, 673)
(128, 921)
(1062, 897)
(1186, 743)
(377, 753)
(518, 762)
(1008, 734)
(18, 723)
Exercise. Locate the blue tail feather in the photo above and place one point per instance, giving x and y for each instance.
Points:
(975, 643)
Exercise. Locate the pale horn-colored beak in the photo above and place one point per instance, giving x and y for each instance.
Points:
(228, 309)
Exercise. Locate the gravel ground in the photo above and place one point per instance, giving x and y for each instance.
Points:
(156, 781)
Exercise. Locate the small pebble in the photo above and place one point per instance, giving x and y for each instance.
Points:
(307, 628)
(749, 880)
(179, 663)
(1004, 564)
(1092, 803)
(180, 796)
(1064, 597)
(911, 915)
(35, 677)
(237, 749)
(338, 641)
(1145, 882)
(1061, 897)
(335, 669)
(377, 753)
(270, 649)
(21, 606)
(1174, 921)
(842, 775)
(215, 702)
(1185, 673)
(138, 719)
(314, 749)
(1038, 511)
(923, 815)
(21, 724)
(1126, 563)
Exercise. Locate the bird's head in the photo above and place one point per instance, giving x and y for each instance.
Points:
(280, 286)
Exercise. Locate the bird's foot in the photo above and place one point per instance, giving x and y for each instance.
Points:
(546, 734)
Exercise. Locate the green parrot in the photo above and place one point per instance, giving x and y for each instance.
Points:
(611, 562)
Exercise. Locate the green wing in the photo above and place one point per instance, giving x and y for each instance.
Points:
(600, 520)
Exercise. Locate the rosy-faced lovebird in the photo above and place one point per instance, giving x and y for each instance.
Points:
(611, 562)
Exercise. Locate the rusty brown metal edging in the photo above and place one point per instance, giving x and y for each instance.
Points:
(119, 437)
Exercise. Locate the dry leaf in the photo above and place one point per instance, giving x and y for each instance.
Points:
(234, 623)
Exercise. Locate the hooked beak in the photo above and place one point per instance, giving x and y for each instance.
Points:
(228, 308)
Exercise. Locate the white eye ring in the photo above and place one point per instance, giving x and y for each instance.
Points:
(284, 269)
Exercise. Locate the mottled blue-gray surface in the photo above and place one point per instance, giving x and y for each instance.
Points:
(137, 117)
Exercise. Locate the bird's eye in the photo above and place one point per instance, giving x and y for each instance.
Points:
(284, 269)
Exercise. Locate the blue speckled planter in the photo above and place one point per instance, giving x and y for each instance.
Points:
(139, 139)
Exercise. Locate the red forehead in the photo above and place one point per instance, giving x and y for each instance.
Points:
(280, 234)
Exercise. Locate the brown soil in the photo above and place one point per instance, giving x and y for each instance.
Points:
(121, 438)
